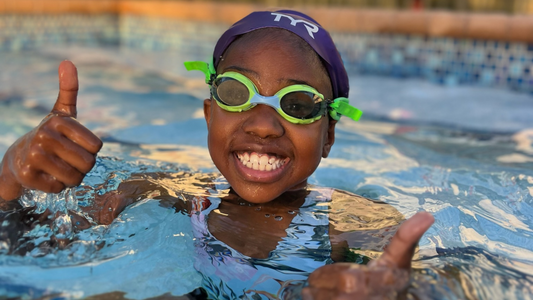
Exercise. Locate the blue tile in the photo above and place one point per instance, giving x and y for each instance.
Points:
(442, 60)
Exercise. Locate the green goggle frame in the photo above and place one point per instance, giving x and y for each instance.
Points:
(337, 107)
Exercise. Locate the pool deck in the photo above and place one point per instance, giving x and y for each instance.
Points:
(501, 27)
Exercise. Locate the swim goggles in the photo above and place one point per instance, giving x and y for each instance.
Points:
(298, 104)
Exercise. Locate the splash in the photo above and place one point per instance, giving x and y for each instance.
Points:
(58, 205)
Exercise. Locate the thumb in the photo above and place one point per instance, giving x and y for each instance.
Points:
(401, 249)
(68, 90)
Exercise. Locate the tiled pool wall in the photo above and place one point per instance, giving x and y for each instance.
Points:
(446, 61)
(449, 61)
(194, 40)
(30, 32)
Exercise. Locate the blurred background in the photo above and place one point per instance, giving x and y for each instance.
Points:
(507, 6)
(480, 42)
(485, 47)
(459, 63)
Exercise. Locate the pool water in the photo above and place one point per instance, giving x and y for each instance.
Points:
(464, 154)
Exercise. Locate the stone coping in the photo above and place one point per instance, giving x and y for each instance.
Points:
(502, 27)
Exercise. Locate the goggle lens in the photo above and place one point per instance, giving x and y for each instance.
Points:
(231, 92)
(299, 104)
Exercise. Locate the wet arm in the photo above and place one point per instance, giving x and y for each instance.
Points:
(108, 206)
(10, 189)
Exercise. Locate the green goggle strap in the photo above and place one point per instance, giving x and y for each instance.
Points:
(341, 106)
(207, 68)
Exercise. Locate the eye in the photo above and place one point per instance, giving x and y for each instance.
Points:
(231, 92)
(301, 105)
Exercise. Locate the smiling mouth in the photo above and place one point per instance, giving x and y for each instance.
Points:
(261, 161)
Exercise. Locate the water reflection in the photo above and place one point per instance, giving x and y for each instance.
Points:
(237, 248)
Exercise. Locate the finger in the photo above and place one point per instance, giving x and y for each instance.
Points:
(81, 161)
(311, 293)
(384, 281)
(400, 251)
(46, 183)
(68, 90)
(326, 276)
(42, 181)
(307, 293)
(74, 155)
(77, 133)
(343, 277)
(60, 170)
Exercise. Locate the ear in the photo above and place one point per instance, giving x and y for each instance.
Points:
(330, 138)
(207, 111)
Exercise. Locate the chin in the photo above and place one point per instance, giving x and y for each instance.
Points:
(256, 195)
(263, 193)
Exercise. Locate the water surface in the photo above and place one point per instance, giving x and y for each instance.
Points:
(464, 154)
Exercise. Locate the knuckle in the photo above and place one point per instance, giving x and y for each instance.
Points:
(91, 161)
(35, 152)
(99, 144)
(88, 164)
(75, 179)
(41, 135)
(78, 179)
(47, 189)
(56, 187)
(53, 121)
(26, 173)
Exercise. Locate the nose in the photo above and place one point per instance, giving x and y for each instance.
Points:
(264, 122)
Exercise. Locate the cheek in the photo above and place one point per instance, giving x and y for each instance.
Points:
(222, 126)
(309, 143)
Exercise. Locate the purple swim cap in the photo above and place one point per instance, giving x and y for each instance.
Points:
(301, 25)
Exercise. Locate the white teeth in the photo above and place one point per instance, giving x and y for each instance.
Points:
(260, 162)
(263, 160)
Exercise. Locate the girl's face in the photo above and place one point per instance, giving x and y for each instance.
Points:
(289, 153)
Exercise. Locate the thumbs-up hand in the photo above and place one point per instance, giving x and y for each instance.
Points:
(57, 153)
(381, 279)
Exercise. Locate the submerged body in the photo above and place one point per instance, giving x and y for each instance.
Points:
(288, 238)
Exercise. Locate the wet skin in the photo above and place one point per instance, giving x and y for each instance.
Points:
(236, 218)
(261, 129)
(60, 151)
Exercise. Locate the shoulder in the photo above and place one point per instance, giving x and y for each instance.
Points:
(354, 212)
(360, 226)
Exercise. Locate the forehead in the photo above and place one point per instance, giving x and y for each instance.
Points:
(280, 54)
